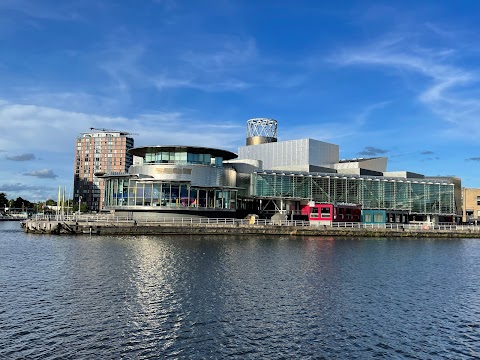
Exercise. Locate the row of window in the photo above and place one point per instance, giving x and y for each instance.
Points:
(182, 158)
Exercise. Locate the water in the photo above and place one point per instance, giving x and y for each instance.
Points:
(238, 297)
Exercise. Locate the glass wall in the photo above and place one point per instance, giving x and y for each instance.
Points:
(136, 192)
(423, 197)
(182, 158)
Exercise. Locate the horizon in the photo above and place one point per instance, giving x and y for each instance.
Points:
(396, 81)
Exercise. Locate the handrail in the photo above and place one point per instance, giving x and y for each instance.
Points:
(111, 219)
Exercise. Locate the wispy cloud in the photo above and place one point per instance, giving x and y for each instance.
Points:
(473, 159)
(210, 64)
(22, 157)
(186, 129)
(221, 56)
(364, 114)
(163, 83)
(449, 90)
(372, 151)
(60, 11)
(42, 174)
(69, 100)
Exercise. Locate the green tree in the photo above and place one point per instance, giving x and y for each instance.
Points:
(83, 209)
(3, 200)
(20, 203)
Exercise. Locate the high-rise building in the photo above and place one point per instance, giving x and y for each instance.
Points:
(98, 152)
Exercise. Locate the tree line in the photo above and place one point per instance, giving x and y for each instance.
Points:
(18, 203)
(25, 205)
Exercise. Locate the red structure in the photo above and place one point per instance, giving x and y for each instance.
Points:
(329, 213)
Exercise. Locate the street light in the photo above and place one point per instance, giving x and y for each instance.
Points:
(79, 204)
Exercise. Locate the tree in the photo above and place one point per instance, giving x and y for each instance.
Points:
(84, 208)
(20, 203)
(50, 202)
(3, 200)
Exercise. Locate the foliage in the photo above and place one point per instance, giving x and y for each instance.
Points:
(3, 200)
(84, 208)
(20, 203)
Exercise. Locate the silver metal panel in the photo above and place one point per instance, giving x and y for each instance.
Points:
(198, 175)
(292, 153)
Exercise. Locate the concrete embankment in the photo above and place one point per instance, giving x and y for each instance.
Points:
(129, 228)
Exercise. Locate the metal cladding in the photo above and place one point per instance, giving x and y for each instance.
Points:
(261, 131)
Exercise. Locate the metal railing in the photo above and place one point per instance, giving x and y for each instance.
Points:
(112, 220)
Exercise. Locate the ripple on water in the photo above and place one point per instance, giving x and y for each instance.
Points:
(197, 297)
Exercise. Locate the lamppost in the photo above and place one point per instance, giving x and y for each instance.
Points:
(79, 204)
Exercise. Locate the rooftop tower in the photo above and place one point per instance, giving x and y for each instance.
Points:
(261, 131)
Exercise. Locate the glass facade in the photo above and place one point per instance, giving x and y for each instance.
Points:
(181, 158)
(422, 197)
(131, 192)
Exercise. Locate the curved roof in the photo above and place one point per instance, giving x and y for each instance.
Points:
(141, 151)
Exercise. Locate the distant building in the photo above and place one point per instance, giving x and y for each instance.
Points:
(98, 152)
(471, 205)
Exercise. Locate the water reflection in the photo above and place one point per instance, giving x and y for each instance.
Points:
(254, 297)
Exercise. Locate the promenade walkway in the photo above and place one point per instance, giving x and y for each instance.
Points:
(111, 225)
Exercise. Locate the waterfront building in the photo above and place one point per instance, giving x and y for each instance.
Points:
(97, 152)
(424, 199)
(471, 205)
(174, 181)
(293, 173)
(276, 177)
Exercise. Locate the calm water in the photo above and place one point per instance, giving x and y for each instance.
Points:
(238, 297)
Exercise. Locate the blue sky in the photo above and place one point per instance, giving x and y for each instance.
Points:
(396, 79)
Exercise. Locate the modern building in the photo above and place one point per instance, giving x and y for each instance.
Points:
(293, 173)
(470, 205)
(275, 177)
(174, 181)
(97, 152)
(425, 200)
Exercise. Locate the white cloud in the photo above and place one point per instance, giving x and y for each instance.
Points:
(30, 127)
(50, 134)
(447, 89)
(40, 129)
(185, 129)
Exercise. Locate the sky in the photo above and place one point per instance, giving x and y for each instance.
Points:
(397, 79)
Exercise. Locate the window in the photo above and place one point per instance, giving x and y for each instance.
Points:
(325, 212)
(149, 158)
(478, 200)
(314, 212)
(367, 217)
